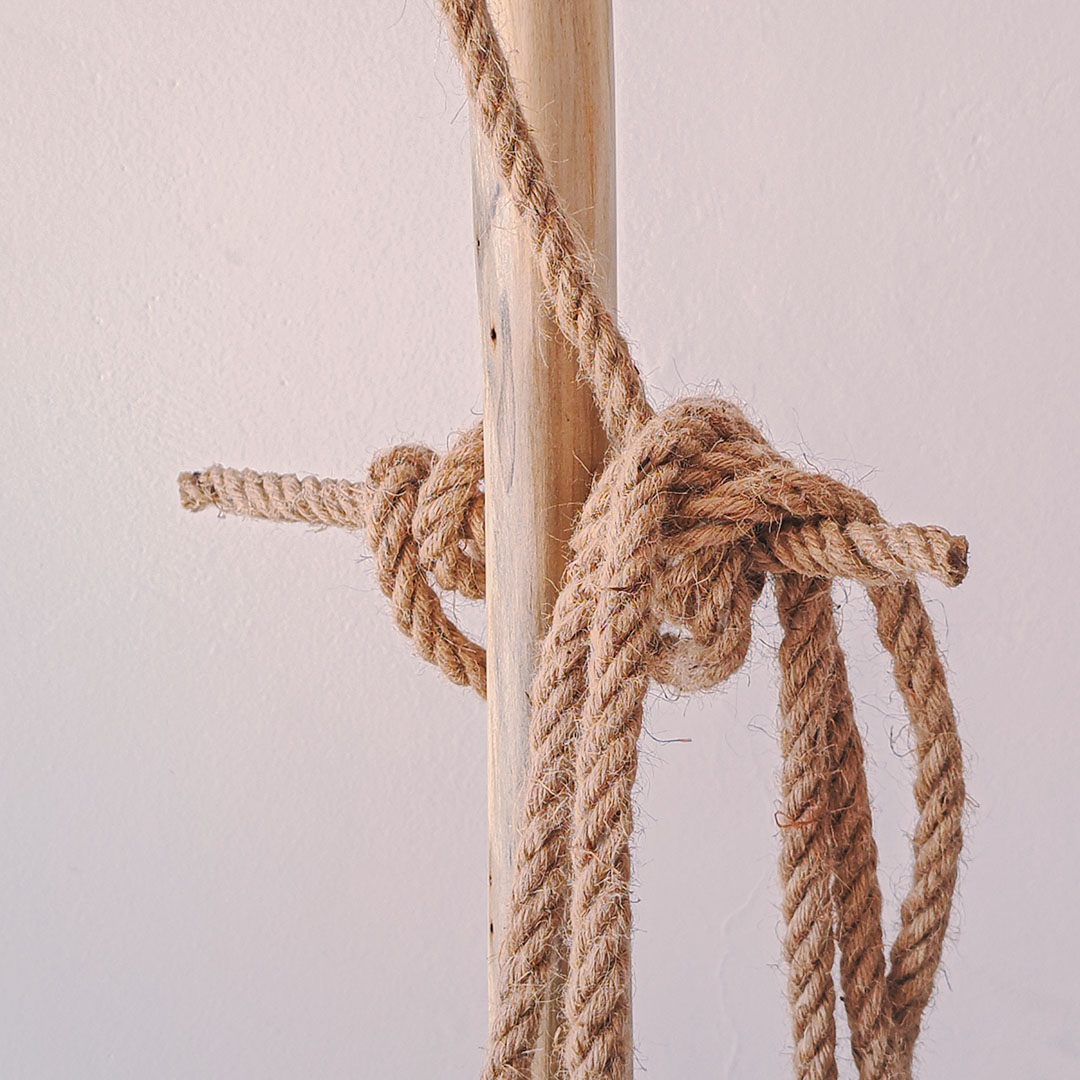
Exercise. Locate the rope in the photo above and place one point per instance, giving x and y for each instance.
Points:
(691, 514)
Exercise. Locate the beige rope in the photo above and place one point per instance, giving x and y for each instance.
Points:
(691, 514)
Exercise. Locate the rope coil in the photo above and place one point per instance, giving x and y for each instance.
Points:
(691, 514)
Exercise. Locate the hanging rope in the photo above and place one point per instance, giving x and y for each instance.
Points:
(692, 512)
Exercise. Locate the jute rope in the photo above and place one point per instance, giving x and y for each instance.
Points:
(692, 512)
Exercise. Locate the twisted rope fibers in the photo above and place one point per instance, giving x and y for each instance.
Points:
(691, 513)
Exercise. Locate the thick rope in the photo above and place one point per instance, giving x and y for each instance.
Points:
(691, 514)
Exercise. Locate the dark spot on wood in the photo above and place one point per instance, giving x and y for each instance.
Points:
(494, 336)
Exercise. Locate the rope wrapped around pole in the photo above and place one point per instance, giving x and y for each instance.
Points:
(693, 511)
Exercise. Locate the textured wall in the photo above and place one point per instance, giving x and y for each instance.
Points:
(243, 827)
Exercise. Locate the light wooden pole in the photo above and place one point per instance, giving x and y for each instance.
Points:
(542, 436)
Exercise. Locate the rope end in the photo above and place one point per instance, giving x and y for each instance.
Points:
(957, 559)
(194, 493)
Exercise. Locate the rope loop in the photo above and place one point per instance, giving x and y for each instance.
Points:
(736, 510)
(422, 522)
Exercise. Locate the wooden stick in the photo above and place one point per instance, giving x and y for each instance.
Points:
(542, 436)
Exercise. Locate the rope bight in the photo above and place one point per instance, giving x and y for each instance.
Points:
(691, 513)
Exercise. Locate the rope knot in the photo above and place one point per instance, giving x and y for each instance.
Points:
(707, 507)
(427, 517)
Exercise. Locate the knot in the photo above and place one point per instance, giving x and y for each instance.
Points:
(696, 498)
(675, 541)
(426, 517)
(708, 507)
(691, 514)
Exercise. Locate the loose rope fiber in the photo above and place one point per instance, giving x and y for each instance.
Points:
(691, 514)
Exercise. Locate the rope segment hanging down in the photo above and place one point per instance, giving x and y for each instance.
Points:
(691, 513)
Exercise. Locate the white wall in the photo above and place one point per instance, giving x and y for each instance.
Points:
(243, 827)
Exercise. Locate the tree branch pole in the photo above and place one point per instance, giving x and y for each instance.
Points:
(542, 436)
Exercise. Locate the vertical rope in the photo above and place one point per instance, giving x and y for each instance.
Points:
(807, 664)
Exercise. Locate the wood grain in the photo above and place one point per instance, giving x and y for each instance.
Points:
(543, 440)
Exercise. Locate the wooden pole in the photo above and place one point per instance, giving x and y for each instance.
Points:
(542, 436)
